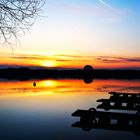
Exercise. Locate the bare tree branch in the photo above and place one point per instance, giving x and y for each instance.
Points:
(17, 16)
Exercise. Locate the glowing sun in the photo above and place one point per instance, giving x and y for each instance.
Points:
(49, 63)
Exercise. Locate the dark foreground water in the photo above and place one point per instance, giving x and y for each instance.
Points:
(45, 112)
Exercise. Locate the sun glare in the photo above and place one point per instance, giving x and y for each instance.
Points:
(48, 63)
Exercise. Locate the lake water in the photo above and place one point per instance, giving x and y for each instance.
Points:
(45, 112)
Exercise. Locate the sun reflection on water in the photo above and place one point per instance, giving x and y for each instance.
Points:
(48, 83)
(64, 87)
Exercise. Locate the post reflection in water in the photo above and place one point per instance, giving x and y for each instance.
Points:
(44, 111)
(88, 80)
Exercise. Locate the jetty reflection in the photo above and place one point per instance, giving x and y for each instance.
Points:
(113, 120)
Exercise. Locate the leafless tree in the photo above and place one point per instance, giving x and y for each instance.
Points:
(16, 17)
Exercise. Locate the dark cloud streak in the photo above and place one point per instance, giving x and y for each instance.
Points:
(105, 59)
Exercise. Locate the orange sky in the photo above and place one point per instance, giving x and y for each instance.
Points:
(59, 60)
(74, 33)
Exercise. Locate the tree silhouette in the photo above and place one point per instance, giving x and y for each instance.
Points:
(17, 16)
(88, 68)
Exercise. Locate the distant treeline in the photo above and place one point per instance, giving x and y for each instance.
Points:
(26, 74)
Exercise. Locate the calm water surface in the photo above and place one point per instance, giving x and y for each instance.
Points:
(44, 112)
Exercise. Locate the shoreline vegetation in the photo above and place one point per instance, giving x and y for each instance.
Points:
(27, 74)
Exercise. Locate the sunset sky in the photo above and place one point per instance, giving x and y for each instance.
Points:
(73, 33)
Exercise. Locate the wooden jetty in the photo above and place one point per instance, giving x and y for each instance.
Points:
(93, 118)
(93, 113)
(107, 120)
(122, 101)
(124, 95)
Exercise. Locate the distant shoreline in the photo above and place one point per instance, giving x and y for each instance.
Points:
(27, 74)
